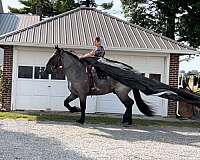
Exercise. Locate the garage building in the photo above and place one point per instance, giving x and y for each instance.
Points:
(27, 50)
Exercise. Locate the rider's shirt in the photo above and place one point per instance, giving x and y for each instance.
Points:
(99, 52)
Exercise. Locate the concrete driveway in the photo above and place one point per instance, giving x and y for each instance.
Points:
(66, 141)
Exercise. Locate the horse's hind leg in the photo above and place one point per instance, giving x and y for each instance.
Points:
(83, 108)
(70, 98)
(128, 103)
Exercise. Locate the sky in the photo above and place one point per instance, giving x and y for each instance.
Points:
(117, 11)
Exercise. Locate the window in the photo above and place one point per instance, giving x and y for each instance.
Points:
(39, 73)
(155, 76)
(25, 72)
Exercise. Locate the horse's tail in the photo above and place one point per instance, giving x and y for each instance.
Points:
(143, 107)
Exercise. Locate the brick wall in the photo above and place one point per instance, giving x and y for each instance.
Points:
(173, 81)
(7, 73)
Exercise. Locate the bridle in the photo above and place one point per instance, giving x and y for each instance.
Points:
(57, 60)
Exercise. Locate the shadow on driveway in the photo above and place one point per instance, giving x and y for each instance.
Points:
(180, 136)
(171, 135)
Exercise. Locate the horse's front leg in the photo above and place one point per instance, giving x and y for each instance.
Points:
(70, 98)
(83, 108)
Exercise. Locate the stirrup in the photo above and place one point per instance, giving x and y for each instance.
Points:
(95, 89)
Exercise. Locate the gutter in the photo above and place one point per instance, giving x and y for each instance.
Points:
(118, 49)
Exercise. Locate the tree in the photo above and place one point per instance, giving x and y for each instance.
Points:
(107, 6)
(48, 8)
(193, 72)
(171, 18)
(61, 6)
(92, 3)
(182, 71)
(189, 23)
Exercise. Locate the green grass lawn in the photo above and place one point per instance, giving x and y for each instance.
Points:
(91, 119)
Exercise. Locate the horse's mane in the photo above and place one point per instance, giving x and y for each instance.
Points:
(108, 60)
(124, 64)
(82, 62)
(71, 54)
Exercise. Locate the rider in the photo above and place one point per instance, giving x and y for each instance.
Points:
(97, 52)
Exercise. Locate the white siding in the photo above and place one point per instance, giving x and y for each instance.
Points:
(31, 94)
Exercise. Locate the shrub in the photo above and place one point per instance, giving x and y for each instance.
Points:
(4, 86)
(198, 91)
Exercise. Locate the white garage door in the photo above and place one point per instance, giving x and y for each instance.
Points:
(34, 92)
(152, 67)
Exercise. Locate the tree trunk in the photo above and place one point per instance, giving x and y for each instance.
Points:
(170, 33)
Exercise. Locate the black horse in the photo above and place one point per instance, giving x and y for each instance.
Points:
(79, 86)
(122, 79)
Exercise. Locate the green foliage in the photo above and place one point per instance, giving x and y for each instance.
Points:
(168, 17)
(52, 7)
(48, 7)
(5, 85)
(189, 22)
(61, 6)
(94, 119)
(108, 5)
(198, 91)
(193, 72)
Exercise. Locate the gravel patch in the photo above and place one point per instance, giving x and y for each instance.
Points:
(23, 140)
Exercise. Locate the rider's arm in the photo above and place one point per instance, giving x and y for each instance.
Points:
(90, 54)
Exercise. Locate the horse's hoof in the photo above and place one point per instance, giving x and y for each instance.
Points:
(80, 121)
(75, 109)
(130, 123)
(127, 122)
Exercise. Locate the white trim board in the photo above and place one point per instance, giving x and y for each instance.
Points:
(146, 50)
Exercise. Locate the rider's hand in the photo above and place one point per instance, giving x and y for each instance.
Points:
(80, 57)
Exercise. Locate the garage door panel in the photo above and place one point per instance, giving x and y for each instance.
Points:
(32, 102)
(57, 103)
(42, 91)
(59, 88)
(41, 88)
(24, 88)
(33, 58)
(30, 87)
(109, 103)
(40, 102)
(141, 63)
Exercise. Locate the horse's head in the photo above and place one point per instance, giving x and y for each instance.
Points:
(55, 62)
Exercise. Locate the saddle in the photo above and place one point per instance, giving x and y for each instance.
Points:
(92, 72)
